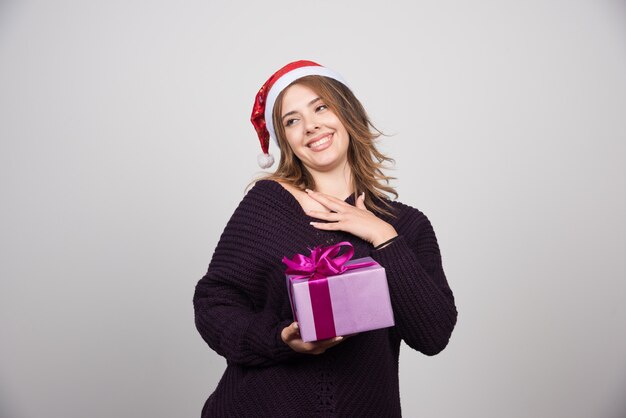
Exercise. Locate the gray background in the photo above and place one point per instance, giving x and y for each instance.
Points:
(125, 147)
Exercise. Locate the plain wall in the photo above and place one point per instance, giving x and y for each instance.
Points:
(126, 145)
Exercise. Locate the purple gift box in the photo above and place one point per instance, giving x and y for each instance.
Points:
(332, 295)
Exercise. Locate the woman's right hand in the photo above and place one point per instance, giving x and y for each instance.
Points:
(291, 337)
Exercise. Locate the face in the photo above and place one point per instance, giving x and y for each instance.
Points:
(314, 133)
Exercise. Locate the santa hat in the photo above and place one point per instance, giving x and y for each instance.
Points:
(266, 97)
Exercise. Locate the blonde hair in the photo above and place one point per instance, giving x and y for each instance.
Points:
(366, 161)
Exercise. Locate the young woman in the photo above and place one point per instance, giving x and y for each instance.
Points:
(328, 188)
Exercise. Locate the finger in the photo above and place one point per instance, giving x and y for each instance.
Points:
(320, 346)
(330, 202)
(360, 201)
(325, 344)
(327, 226)
(323, 195)
(292, 331)
(331, 342)
(327, 216)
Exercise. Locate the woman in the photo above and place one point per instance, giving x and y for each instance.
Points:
(328, 188)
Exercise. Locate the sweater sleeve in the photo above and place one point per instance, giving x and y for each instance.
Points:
(228, 300)
(423, 304)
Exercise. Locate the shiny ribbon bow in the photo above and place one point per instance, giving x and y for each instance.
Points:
(322, 262)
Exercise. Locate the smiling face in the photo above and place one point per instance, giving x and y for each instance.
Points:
(313, 131)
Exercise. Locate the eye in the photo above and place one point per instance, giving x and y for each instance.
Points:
(290, 122)
(321, 107)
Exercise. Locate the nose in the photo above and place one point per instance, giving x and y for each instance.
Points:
(311, 124)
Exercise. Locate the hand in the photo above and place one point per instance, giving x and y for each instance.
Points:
(291, 337)
(357, 220)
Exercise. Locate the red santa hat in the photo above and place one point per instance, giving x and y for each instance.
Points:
(266, 97)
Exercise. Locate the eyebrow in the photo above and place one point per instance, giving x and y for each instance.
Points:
(293, 111)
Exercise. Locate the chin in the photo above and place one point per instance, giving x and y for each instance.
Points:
(324, 161)
(324, 165)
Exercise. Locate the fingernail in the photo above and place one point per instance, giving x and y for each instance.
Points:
(295, 325)
(308, 190)
(338, 339)
(313, 223)
(363, 195)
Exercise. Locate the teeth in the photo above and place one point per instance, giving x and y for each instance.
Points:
(320, 142)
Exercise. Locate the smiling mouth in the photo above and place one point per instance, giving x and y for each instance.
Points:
(319, 142)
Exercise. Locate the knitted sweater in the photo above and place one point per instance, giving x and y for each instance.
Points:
(241, 306)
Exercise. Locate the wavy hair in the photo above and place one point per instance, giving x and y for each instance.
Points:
(366, 161)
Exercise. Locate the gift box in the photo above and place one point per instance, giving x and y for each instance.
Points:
(332, 295)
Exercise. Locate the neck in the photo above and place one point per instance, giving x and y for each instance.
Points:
(336, 182)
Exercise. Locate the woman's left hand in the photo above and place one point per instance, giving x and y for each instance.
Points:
(357, 220)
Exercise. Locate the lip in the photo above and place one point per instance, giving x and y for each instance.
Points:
(317, 138)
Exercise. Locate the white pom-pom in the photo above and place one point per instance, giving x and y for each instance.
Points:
(265, 160)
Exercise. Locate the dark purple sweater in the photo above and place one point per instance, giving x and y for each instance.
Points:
(241, 306)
